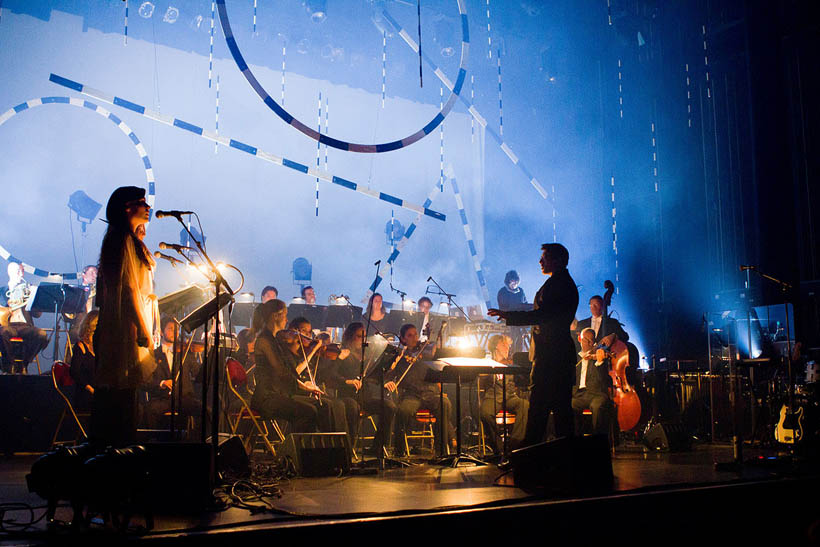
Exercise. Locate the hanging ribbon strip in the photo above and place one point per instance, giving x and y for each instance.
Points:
(216, 125)
(125, 26)
(253, 151)
(121, 125)
(470, 108)
(211, 52)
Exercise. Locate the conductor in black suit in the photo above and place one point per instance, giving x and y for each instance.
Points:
(553, 370)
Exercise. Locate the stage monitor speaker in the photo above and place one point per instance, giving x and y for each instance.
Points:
(29, 410)
(564, 466)
(668, 437)
(318, 454)
(180, 476)
(232, 459)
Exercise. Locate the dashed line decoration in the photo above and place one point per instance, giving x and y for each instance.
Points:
(125, 26)
(471, 109)
(620, 89)
(121, 125)
(397, 248)
(468, 234)
(318, 151)
(441, 146)
(337, 143)
(615, 234)
(254, 16)
(654, 155)
(211, 52)
(238, 145)
(384, 65)
(216, 125)
(284, 51)
(688, 97)
(706, 65)
(489, 34)
(472, 100)
(500, 104)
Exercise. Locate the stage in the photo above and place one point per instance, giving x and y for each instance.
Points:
(656, 497)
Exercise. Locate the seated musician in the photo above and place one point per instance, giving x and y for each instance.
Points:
(601, 325)
(15, 322)
(244, 354)
(83, 363)
(376, 312)
(159, 387)
(269, 293)
(344, 411)
(492, 401)
(414, 393)
(345, 377)
(511, 296)
(279, 393)
(425, 305)
(88, 282)
(309, 295)
(592, 382)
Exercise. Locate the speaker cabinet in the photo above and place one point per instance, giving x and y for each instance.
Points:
(666, 437)
(318, 454)
(564, 466)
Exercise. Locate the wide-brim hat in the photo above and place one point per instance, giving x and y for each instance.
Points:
(115, 209)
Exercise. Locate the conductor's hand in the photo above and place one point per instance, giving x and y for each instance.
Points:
(493, 312)
(391, 386)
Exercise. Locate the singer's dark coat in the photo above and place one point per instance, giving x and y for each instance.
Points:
(553, 311)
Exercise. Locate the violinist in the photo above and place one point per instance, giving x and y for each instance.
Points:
(592, 382)
(344, 411)
(345, 377)
(159, 386)
(279, 393)
(414, 393)
(492, 402)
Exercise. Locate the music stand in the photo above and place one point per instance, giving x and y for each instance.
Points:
(342, 316)
(397, 318)
(314, 314)
(242, 313)
(57, 298)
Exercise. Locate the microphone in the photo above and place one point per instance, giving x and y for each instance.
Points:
(176, 214)
(744, 267)
(377, 262)
(174, 246)
(429, 278)
(171, 259)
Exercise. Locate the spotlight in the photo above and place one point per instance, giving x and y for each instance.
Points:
(85, 207)
(297, 300)
(302, 271)
(408, 305)
(444, 308)
(171, 15)
(185, 239)
(394, 230)
(317, 10)
(245, 298)
(146, 10)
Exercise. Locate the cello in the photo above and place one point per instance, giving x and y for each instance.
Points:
(627, 403)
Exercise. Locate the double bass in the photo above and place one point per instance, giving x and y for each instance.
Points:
(627, 403)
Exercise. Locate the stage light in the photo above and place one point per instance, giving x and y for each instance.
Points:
(245, 298)
(297, 300)
(302, 271)
(317, 10)
(146, 10)
(85, 207)
(444, 308)
(171, 15)
(408, 305)
(185, 239)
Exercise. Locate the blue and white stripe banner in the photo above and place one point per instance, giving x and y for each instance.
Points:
(470, 108)
(468, 235)
(247, 148)
(121, 125)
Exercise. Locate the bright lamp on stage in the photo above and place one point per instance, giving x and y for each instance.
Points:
(85, 207)
(302, 271)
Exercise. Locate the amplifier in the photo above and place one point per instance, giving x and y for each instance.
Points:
(318, 454)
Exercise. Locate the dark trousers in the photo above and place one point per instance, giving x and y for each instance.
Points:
(153, 414)
(114, 417)
(490, 406)
(302, 414)
(373, 407)
(429, 400)
(34, 340)
(548, 395)
(346, 417)
(601, 406)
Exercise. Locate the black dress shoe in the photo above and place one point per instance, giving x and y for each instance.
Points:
(504, 465)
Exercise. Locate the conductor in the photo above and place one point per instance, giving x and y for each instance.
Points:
(553, 370)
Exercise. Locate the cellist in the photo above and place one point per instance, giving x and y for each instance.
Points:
(592, 383)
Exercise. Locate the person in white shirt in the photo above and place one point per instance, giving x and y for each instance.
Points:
(592, 382)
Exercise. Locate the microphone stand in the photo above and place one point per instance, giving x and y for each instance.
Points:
(218, 282)
(450, 297)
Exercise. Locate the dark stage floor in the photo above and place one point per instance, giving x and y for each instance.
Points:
(682, 487)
